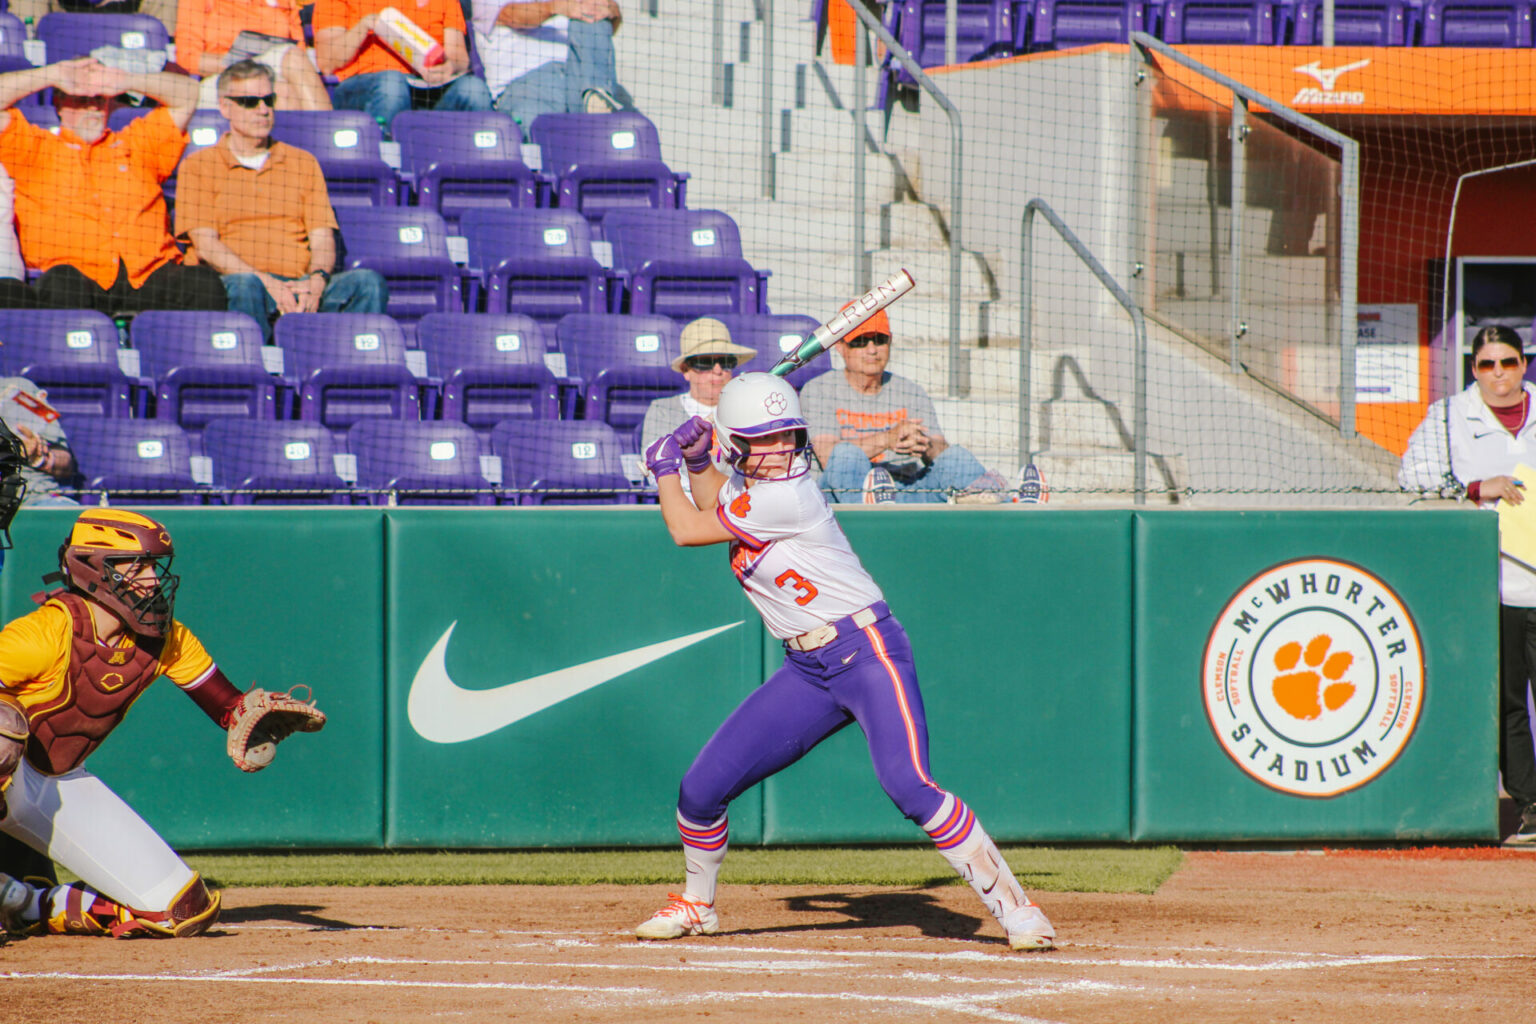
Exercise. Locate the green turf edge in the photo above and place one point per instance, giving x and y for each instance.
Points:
(1115, 869)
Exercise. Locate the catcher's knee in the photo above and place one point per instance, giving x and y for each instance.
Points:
(13, 737)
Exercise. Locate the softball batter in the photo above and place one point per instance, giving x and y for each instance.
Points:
(846, 658)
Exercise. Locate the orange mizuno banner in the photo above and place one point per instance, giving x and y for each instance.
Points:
(1371, 80)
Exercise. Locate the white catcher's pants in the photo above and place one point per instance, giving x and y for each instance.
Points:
(79, 822)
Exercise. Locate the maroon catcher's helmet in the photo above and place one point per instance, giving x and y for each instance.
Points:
(109, 555)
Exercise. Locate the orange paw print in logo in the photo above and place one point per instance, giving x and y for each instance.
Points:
(1311, 678)
(741, 505)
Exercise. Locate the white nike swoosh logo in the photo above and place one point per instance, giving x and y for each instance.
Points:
(441, 711)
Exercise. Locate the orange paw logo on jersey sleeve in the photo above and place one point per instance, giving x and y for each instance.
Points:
(741, 505)
(1311, 678)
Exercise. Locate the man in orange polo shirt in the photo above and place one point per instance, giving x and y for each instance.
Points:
(377, 80)
(258, 212)
(88, 200)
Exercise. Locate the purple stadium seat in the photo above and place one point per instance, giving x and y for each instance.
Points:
(683, 263)
(346, 142)
(12, 35)
(775, 336)
(1059, 24)
(602, 162)
(278, 462)
(492, 366)
(1355, 23)
(1225, 22)
(410, 248)
(348, 367)
(1477, 23)
(204, 365)
(536, 262)
(561, 462)
(429, 463)
(983, 28)
(76, 35)
(137, 462)
(72, 354)
(464, 162)
(623, 364)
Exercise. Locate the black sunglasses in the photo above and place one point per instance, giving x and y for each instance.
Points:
(877, 339)
(250, 102)
(1508, 362)
(702, 363)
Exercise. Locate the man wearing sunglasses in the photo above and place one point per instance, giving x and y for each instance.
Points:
(88, 200)
(708, 360)
(877, 434)
(258, 212)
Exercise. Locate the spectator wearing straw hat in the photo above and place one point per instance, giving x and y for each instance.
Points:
(708, 360)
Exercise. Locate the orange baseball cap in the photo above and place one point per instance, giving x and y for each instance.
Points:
(877, 324)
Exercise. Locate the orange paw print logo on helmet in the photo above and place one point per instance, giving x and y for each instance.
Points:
(1312, 678)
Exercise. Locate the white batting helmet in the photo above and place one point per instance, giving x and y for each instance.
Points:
(757, 405)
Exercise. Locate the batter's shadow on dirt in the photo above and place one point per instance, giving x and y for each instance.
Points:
(305, 915)
(911, 908)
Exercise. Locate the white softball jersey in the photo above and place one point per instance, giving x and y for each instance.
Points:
(791, 556)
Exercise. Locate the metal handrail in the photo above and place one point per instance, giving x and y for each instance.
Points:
(1349, 206)
(956, 191)
(1026, 325)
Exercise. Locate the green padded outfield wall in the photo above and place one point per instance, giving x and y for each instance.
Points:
(1316, 675)
(1072, 662)
(1020, 626)
(279, 599)
(528, 592)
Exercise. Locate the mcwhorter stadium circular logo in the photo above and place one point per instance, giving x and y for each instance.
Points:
(1313, 677)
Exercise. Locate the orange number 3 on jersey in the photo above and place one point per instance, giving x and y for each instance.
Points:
(791, 578)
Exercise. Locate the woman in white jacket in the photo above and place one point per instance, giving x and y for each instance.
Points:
(1470, 443)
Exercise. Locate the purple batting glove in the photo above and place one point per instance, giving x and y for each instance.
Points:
(664, 457)
(695, 438)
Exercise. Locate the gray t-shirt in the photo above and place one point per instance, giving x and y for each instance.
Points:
(24, 404)
(832, 406)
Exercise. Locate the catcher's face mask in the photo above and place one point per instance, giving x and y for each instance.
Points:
(12, 487)
(122, 561)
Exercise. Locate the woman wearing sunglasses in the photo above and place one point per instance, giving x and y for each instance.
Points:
(1469, 444)
(708, 361)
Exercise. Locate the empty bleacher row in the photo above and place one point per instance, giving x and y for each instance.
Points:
(479, 409)
(997, 28)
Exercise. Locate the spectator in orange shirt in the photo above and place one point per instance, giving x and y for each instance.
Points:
(206, 29)
(258, 211)
(375, 79)
(88, 200)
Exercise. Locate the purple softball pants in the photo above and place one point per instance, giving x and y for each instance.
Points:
(865, 676)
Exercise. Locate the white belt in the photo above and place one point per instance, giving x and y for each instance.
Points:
(823, 635)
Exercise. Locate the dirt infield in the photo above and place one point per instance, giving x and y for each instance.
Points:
(1240, 937)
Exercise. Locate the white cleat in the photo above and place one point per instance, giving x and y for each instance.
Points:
(1029, 929)
(682, 916)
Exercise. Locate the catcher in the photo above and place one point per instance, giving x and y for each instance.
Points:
(69, 672)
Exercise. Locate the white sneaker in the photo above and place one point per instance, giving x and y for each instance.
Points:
(1029, 929)
(15, 897)
(879, 487)
(682, 916)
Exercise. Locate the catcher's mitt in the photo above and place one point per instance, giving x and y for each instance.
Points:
(262, 720)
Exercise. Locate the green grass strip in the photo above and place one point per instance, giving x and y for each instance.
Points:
(1039, 868)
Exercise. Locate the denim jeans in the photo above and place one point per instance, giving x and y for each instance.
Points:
(351, 291)
(383, 94)
(847, 467)
(558, 87)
